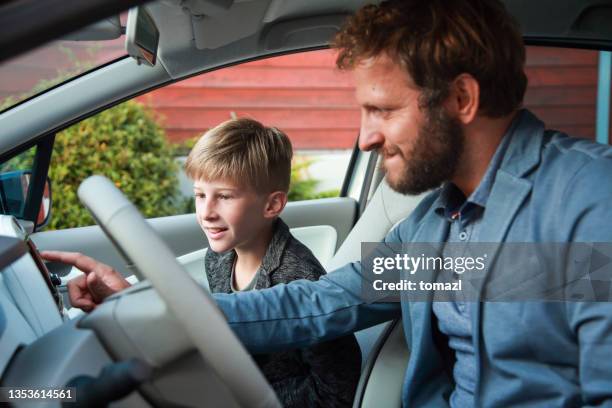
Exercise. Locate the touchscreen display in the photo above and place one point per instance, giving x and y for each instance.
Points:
(49, 279)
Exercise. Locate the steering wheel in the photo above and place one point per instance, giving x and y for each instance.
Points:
(140, 244)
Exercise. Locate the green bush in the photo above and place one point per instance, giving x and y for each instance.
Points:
(302, 186)
(125, 144)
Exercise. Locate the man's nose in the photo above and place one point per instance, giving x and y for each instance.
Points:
(370, 136)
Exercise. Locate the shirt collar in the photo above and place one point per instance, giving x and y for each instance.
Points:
(222, 263)
(272, 259)
(451, 196)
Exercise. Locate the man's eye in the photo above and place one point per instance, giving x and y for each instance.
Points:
(373, 110)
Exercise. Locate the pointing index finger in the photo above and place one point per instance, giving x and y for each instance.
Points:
(80, 261)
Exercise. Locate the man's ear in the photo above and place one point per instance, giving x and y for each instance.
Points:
(464, 98)
(275, 203)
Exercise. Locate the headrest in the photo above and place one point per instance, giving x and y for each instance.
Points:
(385, 210)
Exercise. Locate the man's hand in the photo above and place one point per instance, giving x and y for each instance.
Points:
(89, 290)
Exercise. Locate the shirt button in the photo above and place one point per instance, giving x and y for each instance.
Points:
(463, 236)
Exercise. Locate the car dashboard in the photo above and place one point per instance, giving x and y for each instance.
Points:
(30, 304)
(40, 346)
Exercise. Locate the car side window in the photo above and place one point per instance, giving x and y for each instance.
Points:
(20, 161)
(302, 94)
(563, 88)
(142, 144)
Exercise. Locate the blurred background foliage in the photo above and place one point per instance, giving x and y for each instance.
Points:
(302, 186)
(123, 143)
(127, 144)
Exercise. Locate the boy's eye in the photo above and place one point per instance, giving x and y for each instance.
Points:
(199, 195)
(224, 196)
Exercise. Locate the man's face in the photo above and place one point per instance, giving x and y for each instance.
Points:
(420, 149)
(229, 215)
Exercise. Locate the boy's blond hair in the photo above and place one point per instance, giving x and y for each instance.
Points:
(245, 152)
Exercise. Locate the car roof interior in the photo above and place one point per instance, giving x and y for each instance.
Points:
(202, 32)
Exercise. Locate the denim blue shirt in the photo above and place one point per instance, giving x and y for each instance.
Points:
(455, 318)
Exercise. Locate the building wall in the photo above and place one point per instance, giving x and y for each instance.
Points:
(314, 103)
(304, 95)
(301, 94)
(563, 88)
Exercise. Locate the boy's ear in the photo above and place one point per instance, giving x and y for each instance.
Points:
(275, 204)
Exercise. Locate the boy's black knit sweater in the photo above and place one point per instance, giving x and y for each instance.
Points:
(324, 375)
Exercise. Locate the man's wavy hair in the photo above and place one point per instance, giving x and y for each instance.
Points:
(437, 40)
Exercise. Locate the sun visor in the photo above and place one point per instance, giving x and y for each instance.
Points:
(216, 27)
(221, 22)
(209, 8)
(303, 32)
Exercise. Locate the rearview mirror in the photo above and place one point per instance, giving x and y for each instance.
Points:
(14, 187)
(142, 36)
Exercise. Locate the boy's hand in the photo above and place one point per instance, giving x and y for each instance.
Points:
(89, 290)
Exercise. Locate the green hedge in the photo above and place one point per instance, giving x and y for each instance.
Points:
(302, 186)
(125, 144)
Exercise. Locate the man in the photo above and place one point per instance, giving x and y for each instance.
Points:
(440, 86)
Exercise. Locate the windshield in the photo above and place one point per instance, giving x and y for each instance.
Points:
(54, 63)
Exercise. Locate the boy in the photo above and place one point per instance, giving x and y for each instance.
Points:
(241, 173)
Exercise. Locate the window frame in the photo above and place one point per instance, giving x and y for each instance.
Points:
(39, 171)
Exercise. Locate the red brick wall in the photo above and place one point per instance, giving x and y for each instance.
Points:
(302, 94)
(563, 88)
(305, 96)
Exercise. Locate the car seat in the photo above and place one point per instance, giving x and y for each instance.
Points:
(384, 351)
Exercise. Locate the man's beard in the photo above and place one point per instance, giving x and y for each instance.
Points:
(434, 156)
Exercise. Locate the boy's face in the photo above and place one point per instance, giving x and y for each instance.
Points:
(230, 215)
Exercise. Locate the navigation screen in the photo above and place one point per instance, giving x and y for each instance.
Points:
(46, 275)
